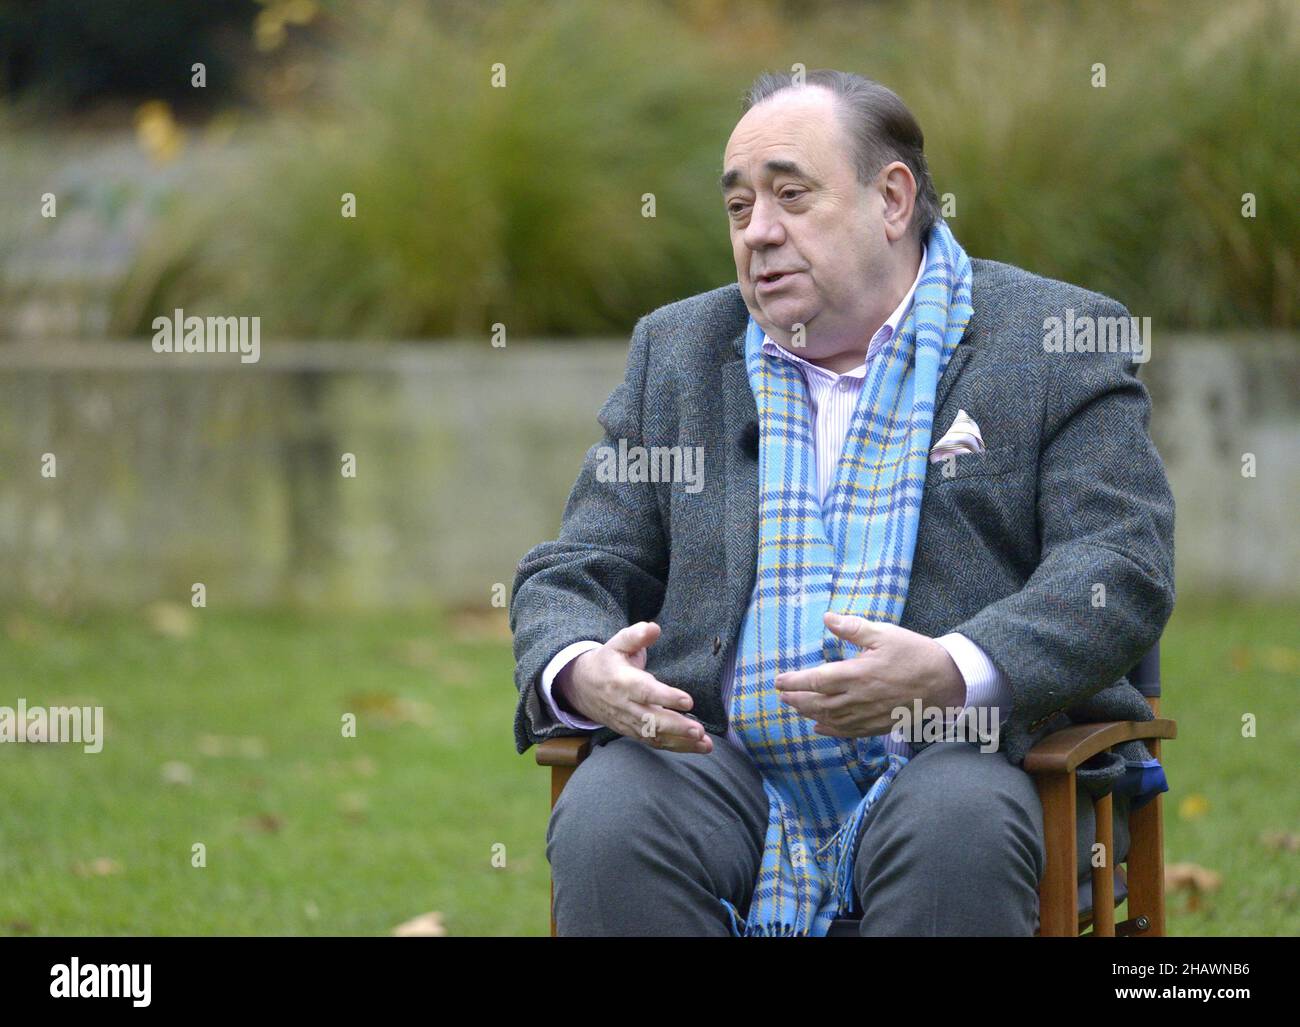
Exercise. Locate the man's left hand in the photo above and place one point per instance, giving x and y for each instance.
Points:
(857, 697)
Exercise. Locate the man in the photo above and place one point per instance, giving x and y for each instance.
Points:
(909, 503)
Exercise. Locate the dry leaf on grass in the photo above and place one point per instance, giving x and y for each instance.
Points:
(1196, 881)
(265, 823)
(171, 620)
(175, 772)
(480, 624)
(101, 866)
(388, 710)
(353, 805)
(250, 748)
(419, 653)
(1280, 841)
(1193, 807)
(20, 629)
(426, 925)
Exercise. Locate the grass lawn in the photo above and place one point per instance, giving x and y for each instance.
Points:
(225, 729)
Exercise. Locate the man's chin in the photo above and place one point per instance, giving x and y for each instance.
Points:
(784, 316)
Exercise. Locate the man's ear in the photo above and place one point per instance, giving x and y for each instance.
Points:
(898, 190)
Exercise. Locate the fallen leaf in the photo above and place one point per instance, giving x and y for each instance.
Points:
(1193, 807)
(364, 766)
(266, 823)
(420, 653)
(1196, 881)
(1239, 660)
(1280, 841)
(388, 710)
(100, 866)
(250, 748)
(480, 624)
(177, 773)
(426, 925)
(1191, 876)
(353, 805)
(20, 629)
(1281, 659)
(171, 620)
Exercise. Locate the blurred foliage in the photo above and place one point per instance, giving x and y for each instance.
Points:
(523, 204)
(72, 52)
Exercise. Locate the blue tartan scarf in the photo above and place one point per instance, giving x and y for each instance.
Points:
(854, 555)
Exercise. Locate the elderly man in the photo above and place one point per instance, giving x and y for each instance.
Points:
(910, 502)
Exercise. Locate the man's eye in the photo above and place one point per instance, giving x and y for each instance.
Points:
(789, 194)
(735, 208)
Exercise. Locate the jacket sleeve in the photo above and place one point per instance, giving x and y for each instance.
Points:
(1104, 586)
(607, 568)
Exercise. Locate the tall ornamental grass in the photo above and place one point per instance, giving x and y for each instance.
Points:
(525, 205)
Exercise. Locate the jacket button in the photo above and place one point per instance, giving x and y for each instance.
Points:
(717, 646)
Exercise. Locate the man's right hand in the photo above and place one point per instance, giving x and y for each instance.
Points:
(611, 686)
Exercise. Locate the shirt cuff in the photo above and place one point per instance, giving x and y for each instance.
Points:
(985, 684)
(560, 662)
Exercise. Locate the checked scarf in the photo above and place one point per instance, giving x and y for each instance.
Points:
(854, 555)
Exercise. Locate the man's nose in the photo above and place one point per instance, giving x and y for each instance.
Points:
(764, 228)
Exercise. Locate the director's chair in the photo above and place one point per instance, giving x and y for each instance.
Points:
(1052, 763)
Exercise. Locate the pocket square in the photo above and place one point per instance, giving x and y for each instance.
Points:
(963, 437)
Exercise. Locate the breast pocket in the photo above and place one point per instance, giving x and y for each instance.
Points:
(993, 461)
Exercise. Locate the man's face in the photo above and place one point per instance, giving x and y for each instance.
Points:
(808, 239)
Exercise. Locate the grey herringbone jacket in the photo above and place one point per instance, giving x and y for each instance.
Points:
(1069, 494)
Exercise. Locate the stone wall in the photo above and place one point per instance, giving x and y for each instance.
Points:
(180, 469)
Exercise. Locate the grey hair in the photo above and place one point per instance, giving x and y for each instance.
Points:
(878, 122)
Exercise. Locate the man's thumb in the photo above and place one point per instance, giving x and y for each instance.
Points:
(635, 637)
(852, 628)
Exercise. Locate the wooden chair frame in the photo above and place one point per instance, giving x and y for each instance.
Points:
(1052, 763)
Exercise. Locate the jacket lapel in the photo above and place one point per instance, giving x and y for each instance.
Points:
(740, 443)
(951, 373)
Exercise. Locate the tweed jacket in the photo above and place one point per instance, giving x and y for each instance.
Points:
(1052, 550)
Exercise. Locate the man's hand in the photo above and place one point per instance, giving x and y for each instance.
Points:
(856, 698)
(611, 686)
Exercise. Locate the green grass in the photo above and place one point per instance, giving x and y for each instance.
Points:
(371, 831)
(1220, 662)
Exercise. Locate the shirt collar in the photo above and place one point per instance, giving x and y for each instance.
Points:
(883, 334)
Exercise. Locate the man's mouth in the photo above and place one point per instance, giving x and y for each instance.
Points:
(772, 278)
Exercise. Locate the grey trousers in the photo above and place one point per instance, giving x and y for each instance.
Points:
(644, 842)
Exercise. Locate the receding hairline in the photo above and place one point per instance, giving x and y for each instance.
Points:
(778, 165)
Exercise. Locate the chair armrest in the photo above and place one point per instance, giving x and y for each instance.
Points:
(568, 751)
(1062, 751)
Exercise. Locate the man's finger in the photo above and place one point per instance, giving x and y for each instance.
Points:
(665, 729)
(828, 678)
(852, 628)
(646, 689)
(635, 637)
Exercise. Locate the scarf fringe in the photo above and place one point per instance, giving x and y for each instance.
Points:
(740, 929)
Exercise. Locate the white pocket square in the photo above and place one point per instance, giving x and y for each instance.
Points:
(963, 437)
